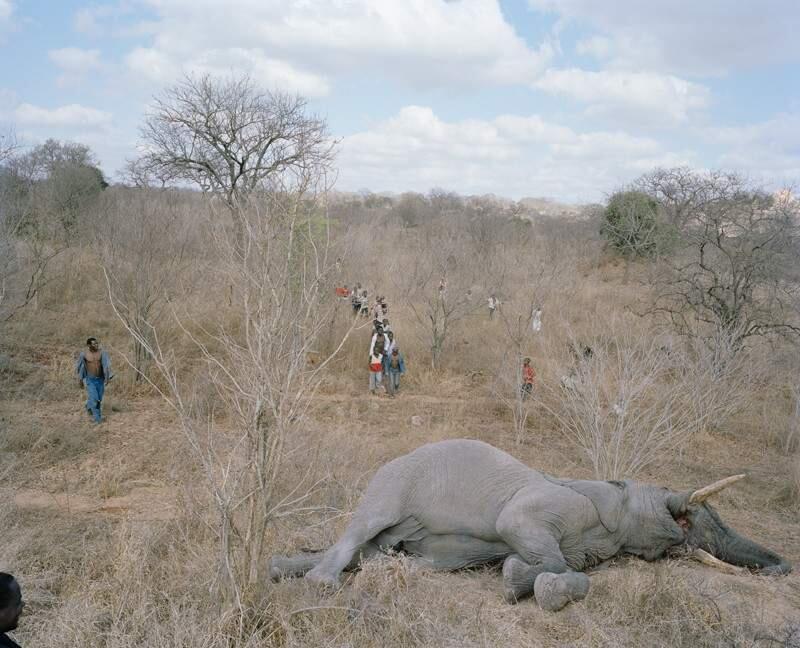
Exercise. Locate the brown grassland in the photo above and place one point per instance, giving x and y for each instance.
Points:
(107, 527)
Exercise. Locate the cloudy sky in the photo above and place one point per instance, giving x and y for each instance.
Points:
(560, 98)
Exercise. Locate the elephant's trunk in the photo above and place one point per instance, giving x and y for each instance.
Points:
(705, 530)
(735, 549)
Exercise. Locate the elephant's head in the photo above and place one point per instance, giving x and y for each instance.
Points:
(705, 530)
(662, 519)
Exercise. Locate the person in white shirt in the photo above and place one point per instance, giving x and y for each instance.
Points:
(494, 304)
(536, 319)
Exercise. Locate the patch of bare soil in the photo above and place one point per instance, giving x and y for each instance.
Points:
(141, 503)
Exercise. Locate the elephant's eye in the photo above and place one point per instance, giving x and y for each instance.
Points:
(683, 522)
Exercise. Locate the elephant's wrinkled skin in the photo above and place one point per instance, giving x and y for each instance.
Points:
(462, 503)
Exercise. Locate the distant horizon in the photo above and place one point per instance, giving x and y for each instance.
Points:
(564, 99)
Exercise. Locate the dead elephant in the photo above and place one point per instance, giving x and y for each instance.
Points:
(464, 503)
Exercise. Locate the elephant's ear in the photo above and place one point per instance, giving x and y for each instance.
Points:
(608, 498)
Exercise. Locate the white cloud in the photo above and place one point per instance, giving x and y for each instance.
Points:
(152, 64)
(597, 46)
(768, 149)
(686, 37)
(6, 18)
(6, 9)
(156, 66)
(109, 20)
(646, 96)
(304, 44)
(510, 155)
(86, 21)
(75, 63)
(64, 116)
(75, 60)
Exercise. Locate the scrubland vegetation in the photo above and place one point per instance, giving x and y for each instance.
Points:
(239, 422)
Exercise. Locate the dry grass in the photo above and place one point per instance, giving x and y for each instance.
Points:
(120, 580)
(105, 527)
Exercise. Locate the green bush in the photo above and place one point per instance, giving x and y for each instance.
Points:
(631, 224)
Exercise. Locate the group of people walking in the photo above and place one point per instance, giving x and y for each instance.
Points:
(386, 362)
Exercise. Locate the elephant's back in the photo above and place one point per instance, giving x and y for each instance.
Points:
(464, 454)
(458, 485)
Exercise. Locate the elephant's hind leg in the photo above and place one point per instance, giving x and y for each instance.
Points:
(293, 566)
(361, 531)
(300, 564)
(382, 508)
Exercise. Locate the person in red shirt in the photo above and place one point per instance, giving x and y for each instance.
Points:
(528, 378)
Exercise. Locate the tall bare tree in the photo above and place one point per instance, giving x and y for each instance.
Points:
(439, 288)
(679, 192)
(736, 272)
(521, 320)
(8, 144)
(43, 193)
(142, 238)
(257, 358)
(230, 138)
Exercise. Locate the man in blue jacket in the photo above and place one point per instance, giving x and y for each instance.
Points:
(394, 367)
(94, 371)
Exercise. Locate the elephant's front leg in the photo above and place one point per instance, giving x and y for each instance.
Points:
(537, 567)
(552, 585)
(554, 591)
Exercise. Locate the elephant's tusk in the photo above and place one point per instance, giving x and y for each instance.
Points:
(707, 559)
(702, 494)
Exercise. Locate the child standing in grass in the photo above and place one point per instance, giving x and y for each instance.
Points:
(528, 376)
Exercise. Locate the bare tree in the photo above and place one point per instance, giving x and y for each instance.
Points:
(735, 274)
(257, 360)
(412, 210)
(142, 240)
(679, 191)
(439, 288)
(634, 399)
(444, 203)
(521, 324)
(42, 193)
(229, 138)
(8, 145)
(138, 173)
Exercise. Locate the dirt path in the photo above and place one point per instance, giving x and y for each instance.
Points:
(141, 503)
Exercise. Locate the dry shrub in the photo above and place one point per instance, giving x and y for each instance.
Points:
(629, 398)
(656, 605)
(47, 442)
(788, 494)
(104, 581)
(781, 420)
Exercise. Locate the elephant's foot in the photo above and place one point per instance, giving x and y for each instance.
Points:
(554, 591)
(293, 566)
(323, 579)
(276, 570)
(518, 578)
